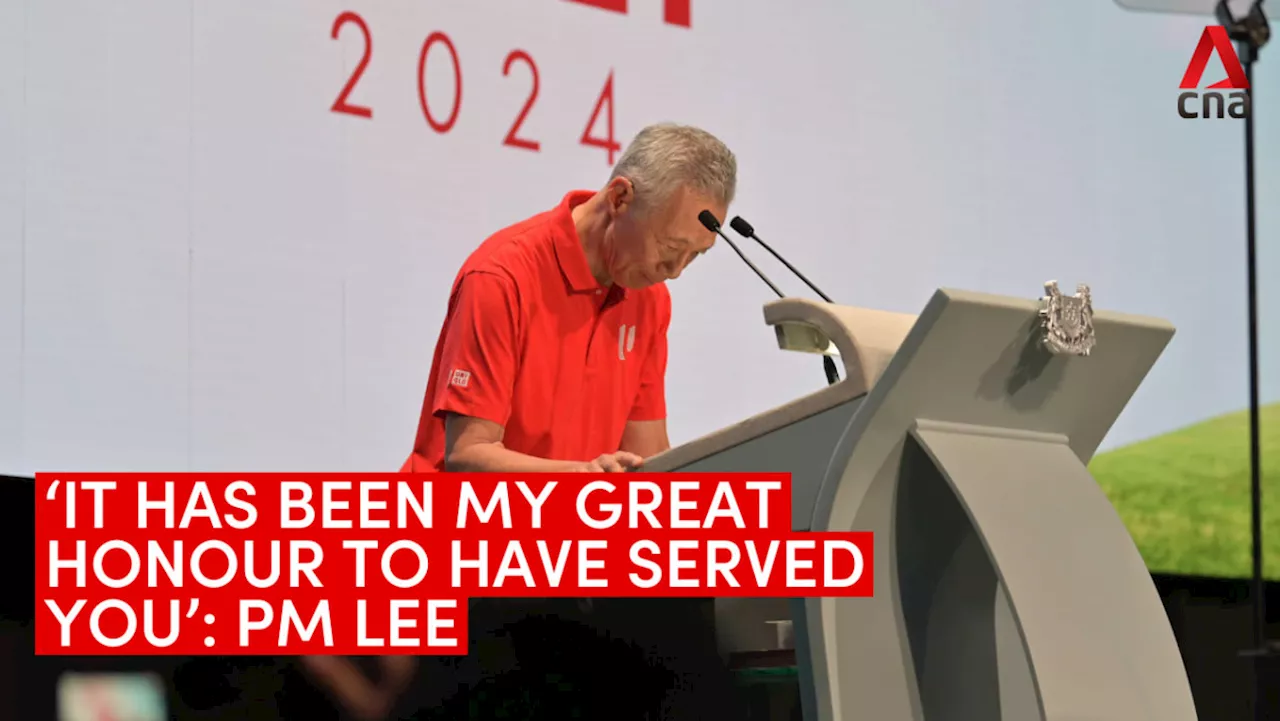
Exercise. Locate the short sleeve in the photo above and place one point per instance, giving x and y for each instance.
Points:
(651, 399)
(478, 362)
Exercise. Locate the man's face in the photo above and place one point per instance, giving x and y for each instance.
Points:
(655, 245)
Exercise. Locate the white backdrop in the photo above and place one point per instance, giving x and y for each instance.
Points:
(203, 267)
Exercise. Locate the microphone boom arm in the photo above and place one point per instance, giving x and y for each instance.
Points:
(751, 265)
(711, 223)
(745, 230)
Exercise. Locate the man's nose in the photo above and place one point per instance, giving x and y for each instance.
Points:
(673, 269)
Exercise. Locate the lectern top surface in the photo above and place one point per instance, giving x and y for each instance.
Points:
(979, 358)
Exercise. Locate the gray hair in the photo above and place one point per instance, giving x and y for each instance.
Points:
(664, 157)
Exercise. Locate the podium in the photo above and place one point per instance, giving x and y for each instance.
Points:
(1006, 586)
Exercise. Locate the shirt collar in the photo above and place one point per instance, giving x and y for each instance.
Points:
(569, 252)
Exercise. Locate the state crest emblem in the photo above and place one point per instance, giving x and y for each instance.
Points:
(1067, 320)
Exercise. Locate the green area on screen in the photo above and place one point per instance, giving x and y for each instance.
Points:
(1184, 496)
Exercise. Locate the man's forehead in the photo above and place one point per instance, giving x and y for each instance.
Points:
(683, 227)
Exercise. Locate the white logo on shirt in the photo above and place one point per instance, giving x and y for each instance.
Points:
(626, 340)
(460, 378)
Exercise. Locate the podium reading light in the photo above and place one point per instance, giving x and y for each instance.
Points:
(804, 338)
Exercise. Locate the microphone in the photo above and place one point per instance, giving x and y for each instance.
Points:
(711, 223)
(745, 230)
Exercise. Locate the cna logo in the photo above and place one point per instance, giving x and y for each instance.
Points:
(1213, 103)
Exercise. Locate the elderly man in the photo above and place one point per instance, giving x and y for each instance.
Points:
(554, 349)
(552, 358)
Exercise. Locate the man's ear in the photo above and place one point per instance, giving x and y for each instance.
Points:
(622, 195)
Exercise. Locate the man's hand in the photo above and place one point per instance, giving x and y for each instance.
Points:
(619, 462)
(474, 445)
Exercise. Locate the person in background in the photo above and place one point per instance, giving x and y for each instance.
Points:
(552, 358)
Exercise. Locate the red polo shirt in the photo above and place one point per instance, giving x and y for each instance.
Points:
(532, 342)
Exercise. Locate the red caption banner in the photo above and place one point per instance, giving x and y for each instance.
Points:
(358, 564)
